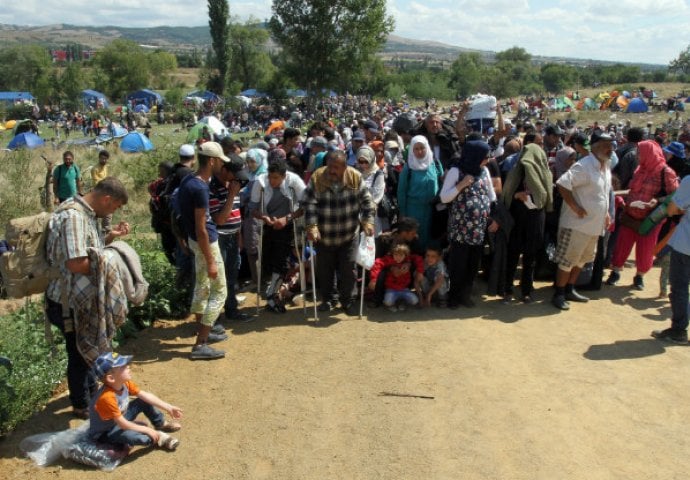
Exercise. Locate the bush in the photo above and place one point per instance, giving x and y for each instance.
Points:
(37, 368)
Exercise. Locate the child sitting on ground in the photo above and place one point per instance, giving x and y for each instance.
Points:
(112, 414)
(399, 264)
(435, 282)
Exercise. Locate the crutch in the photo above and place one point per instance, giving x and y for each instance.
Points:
(259, 252)
(361, 288)
(302, 280)
(313, 277)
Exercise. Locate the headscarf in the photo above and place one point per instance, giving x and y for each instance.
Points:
(378, 144)
(652, 162)
(369, 155)
(473, 154)
(423, 163)
(560, 164)
(260, 156)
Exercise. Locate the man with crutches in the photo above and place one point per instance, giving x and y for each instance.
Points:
(337, 204)
(273, 199)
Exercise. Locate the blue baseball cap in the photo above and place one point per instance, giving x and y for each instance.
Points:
(107, 361)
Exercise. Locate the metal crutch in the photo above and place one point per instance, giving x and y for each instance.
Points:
(361, 288)
(313, 277)
(259, 252)
(302, 280)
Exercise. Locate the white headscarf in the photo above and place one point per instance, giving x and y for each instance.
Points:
(424, 162)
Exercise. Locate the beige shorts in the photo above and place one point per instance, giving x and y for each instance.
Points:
(574, 249)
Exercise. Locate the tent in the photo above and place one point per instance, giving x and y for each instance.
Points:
(588, 104)
(215, 127)
(141, 108)
(296, 93)
(26, 139)
(253, 92)
(16, 97)
(637, 105)
(145, 97)
(206, 96)
(10, 124)
(94, 99)
(135, 142)
(622, 101)
(275, 126)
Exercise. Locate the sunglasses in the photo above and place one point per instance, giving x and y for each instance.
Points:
(363, 162)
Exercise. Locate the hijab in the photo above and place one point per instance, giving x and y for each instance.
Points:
(260, 157)
(417, 163)
(367, 153)
(379, 144)
(561, 163)
(473, 154)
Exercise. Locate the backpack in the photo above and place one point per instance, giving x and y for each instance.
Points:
(25, 270)
(176, 223)
(159, 204)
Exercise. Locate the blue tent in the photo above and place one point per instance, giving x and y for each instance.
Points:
(91, 98)
(296, 93)
(206, 95)
(135, 142)
(253, 92)
(141, 108)
(145, 97)
(16, 97)
(26, 139)
(637, 105)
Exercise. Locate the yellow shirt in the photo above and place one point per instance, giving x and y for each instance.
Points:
(99, 172)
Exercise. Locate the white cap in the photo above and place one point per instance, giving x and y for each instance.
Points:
(187, 150)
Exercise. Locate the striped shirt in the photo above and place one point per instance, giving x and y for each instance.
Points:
(217, 198)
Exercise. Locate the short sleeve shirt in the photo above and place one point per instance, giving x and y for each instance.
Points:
(108, 405)
(66, 180)
(194, 194)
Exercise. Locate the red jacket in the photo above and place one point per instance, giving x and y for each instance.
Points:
(399, 275)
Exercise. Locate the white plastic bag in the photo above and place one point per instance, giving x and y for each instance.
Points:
(366, 252)
(481, 107)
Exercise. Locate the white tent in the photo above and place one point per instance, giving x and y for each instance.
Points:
(215, 126)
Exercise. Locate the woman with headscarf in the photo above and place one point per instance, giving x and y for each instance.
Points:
(469, 191)
(257, 163)
(374, 179)
(418, 184)
(528, 195)
(652, 180)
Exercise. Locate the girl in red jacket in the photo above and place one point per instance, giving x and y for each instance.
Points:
(399, 265)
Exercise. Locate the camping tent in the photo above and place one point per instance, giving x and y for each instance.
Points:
(145, 97)
(215, 127)
(622, 101)
(206, 96)
(16, 97)
(94, 99)
(588, 104)
(637, 105)
(26, 139)
(253, 92)
(135, 142)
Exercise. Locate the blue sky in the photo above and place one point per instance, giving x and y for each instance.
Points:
(650, 31)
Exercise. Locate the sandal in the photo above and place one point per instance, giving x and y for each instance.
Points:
(169, 426)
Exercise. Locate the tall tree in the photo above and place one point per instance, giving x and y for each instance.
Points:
(466, 73)
(219, 24)
(327, 43)
(252, 66)
(557, 77)
(123, 65)
(682, 63)
(26, 67)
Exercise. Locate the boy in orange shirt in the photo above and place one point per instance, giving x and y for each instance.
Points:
(112, 414)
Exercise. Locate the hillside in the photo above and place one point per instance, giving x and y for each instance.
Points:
(187, 38)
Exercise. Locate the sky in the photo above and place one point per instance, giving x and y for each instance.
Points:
(647, 31)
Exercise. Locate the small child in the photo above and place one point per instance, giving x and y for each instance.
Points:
(435, 282)
(399, 264)
(112, 414)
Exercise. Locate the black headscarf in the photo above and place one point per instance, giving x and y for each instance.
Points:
(474, 153)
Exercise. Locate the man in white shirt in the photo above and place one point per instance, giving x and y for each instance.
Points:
(584, 216)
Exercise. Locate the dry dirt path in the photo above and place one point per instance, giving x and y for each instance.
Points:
(519, 392)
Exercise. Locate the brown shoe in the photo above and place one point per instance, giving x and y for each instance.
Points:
(169, 426)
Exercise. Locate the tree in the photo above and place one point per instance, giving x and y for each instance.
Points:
(72, 82)
(326, 43)
(252, 66)
(557, 78)
(466, 73)
(123, 67)
(161, 65)
(218, 22)
(682, 63)
(26, 68)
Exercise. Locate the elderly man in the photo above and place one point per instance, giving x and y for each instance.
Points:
(443, 139)
(585, 189)
(337, 202)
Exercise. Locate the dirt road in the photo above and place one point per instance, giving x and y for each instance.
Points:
(519, 392)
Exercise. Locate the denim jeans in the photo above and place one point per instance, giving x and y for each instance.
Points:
(392, 296)
(679, 277)
(117, 436)
(81, 381)
(230, 252)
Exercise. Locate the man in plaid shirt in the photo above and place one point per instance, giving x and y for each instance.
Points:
(337, 203)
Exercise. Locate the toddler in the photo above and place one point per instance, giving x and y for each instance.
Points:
(435, 281)
(399, 264)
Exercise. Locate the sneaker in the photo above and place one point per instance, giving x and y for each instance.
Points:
(573, 296)
(560, 302)
(167, 442)
(676, 336)
(638, 282)
(217, 337)
(614, 277)
(325, 307)
(240, 299)
(217, 329)
(204, 352)
(391, 308)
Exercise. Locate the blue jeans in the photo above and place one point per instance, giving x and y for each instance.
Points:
(679, 277)
(392, 296)
(117, 436)
(230, 252)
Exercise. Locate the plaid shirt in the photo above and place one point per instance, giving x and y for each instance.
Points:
(337, 211)
(73, 228)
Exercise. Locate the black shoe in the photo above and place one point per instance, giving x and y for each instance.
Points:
(215, 337)
(527, 299)
(467, 302)
(614, 277)
(351, 309)
(638, 282)
(325, 307)
(560, 302)
(238, 316)
(573, 296)
(676, 336)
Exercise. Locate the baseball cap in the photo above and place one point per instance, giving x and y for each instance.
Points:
(371, 125)
(553, 130)
(187, 150)
(107, 361)
(213, 149)
(359, 135)
(238, 167)
(391, 144)
(599, 135)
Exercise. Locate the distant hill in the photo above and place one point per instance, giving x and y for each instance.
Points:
(179, 39)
